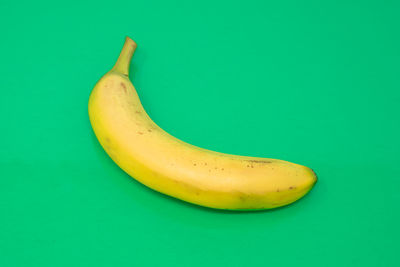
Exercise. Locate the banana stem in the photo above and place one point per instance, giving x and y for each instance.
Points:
(124, 59)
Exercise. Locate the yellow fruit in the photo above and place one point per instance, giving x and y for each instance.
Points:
(173, 167)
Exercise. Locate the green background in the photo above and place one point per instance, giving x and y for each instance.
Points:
(313, 82)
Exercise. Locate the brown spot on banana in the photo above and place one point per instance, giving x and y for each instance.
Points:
(258, 161)
(123, 87)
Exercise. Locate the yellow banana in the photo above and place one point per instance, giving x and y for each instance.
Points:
(173, 167)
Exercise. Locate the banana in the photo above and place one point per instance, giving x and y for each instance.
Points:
(178, 169)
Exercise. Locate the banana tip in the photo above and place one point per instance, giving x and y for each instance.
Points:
(315, 176)
(128, 40)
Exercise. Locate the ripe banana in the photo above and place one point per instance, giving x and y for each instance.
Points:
(173, 167)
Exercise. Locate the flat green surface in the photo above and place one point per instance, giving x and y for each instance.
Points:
(313, 82)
